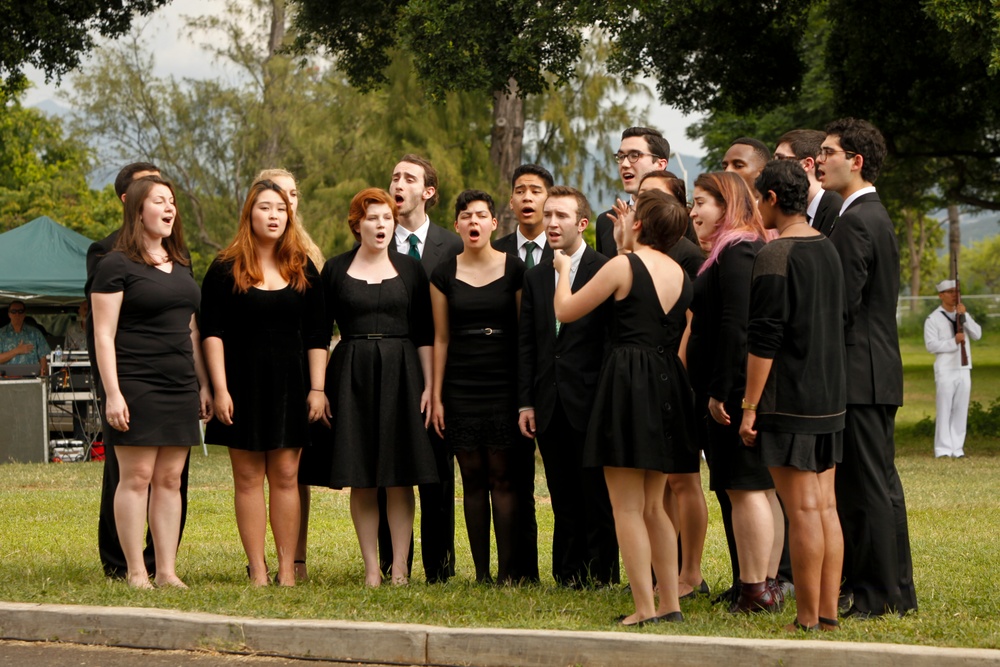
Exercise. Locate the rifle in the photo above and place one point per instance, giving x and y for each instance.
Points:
(959, 317)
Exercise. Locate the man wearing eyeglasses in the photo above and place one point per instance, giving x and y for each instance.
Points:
(878, 570)
(642, 150)
(22, 343)
(804, 146)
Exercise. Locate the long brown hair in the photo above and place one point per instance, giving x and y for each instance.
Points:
(289, 253)
(130, 241)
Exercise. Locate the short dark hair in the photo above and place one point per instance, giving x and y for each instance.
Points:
(804, 143)
(759, 147)
(861, 137)
(538, 170)
(789, 182)
(655, 142)
(430, 175)
(127, 175)
(466, 197)
(583, 209)
(664, 219)
(675, 186)
(17, 301)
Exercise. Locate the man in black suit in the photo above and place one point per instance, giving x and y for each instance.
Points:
(746, 158)
(108, 545)
(529, 188)
(642, 150)
(414, 187)
(558, 369)
(878, 570)
(804, 145)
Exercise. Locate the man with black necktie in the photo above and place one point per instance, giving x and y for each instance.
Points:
(878, 569)
(558, 368)
(642, 150)
(529, 188)
(804, 145)
(414, 188)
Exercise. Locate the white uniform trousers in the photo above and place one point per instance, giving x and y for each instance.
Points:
(953, 389)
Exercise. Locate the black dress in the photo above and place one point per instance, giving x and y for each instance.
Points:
(644, 409)
(374, 380)
(264, 335)
(480, 378)
(154, 355)
(717, 363)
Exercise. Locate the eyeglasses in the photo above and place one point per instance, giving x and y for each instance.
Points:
(16, 311)
(779, 156)
(826, 152)
(631, 156)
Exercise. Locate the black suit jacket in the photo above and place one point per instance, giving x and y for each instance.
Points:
(441, 244)
(563, 368)
(508, 244)
(866, 240)
(827, 211)
(604, 232)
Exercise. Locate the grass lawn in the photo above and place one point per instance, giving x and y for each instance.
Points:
(49, 548)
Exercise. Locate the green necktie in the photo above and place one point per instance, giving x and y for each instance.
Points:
(529, 254)
(414, 240)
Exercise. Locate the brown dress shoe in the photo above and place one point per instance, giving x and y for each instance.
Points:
(755, 598)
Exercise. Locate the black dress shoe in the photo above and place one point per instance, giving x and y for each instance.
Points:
(845, 602)
(669, 617)
(858, 614)
(620, 620)
(728, 596)
(698, 591)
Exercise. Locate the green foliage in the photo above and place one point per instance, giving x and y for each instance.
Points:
(53, 35)
(43, 172)
(579, 123)
(985, 421)
(713, 54)
(981, 267)
(474, 45)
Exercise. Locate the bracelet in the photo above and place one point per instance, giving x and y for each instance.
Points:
(322, 391)
(747, 405)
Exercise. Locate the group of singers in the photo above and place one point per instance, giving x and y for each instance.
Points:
(726, 327)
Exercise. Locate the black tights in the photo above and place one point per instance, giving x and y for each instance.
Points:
(486, 478)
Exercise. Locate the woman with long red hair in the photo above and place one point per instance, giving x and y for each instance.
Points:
(262, 316)
(378, 382)
(730, 230)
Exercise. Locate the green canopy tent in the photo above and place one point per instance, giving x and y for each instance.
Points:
(43, 263)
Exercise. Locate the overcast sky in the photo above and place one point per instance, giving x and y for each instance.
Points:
(177, 56)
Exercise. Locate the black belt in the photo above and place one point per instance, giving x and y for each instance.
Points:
(488, 331)
(372, 336)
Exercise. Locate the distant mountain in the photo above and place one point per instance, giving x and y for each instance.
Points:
(53, 108)
(979, 226)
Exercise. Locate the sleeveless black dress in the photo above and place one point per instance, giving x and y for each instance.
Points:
(644, 409)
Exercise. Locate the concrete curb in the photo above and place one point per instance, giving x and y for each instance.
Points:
(431, 645)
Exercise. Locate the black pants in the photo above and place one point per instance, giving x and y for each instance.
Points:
(437, 521)
(878, 569)
(108, 545)
(584, 545)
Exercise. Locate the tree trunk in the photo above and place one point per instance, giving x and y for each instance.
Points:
(954, 236)
(909, 223)
(506, 142)
(271, 149)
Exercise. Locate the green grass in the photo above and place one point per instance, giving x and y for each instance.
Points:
(49, 551)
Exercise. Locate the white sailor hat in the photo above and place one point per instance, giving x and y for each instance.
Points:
(945, 285)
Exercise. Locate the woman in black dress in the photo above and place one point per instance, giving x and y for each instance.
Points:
(155, 386)
(476, 297)
(796, 386)
(641, 428)
(262, 309)
(377, 382)
(729, 228)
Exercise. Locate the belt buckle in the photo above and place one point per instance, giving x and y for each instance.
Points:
(487, 331)
(376, 336)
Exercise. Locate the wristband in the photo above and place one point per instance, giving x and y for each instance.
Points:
(319, 390)
(747, 405)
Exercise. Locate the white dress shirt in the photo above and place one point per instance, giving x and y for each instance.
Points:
(939, 339)
(537, 252)
(859, 193)
(403, 237)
